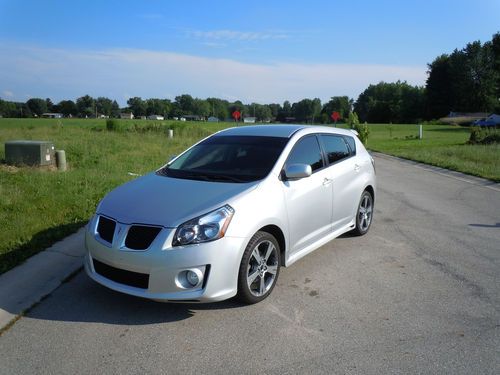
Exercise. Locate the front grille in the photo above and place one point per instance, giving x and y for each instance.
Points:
(106, 228)
(140, 237)
(135, 279)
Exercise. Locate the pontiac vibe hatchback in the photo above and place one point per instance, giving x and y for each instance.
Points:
(221, 219)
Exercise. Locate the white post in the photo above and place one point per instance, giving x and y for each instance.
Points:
(420, 132)
(170, 133)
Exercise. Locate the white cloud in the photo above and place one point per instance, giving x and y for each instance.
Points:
(61, 74)
(7, 93)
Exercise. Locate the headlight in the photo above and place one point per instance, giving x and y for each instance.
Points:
(209, 227)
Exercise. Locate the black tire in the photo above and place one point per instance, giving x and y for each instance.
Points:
(264, 279)
(364, 214)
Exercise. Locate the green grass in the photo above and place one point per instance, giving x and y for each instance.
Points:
(442, 145)
(39, 207)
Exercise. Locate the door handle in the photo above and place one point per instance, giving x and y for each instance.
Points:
(356, 167)
(327, 181)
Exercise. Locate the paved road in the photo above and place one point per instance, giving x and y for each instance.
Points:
(419, 294)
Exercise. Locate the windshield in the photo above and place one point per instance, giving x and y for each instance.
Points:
(228, 159)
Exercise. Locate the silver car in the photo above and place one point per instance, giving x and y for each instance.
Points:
(221, 219)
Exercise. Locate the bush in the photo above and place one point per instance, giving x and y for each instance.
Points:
(484, 136)
(114, 125)
(362, 129)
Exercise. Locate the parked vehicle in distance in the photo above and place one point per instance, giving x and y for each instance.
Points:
(220, 219)
(492, 120)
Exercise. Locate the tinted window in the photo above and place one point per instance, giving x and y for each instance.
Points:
(352, 144)
(228, 159)
(306, 151)
(335, 148)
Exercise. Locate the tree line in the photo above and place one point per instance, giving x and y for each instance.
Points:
(467, 80)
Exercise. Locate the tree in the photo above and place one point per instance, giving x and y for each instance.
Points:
(8, 109)
(275, 109)
(68, 108)
(115, 109)
(438, 88)
(201, 107)
(306, 109)
(37, 106)
(495, 49)
(391, 102)
(218, 108)
(104, 106)
(137, 106)
(85, 106)
(341, 104)
(467, 80)
(50, 105)
(185, 104)
(158, 107)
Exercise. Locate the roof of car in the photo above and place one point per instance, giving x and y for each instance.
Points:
(283, 131)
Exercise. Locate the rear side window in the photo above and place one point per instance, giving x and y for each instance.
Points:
(335, 147)
(306, 151)
(352, 144)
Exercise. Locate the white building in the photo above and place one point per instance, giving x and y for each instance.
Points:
(127, 116)
(156, 117)
(52, 115)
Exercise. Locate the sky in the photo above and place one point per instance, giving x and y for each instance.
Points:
(253, 51)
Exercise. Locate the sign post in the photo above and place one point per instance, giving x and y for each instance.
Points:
(236, 115)
(335, 117)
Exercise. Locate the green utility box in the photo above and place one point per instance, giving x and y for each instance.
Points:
(34, 153)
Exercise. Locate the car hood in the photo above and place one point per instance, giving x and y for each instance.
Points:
(166, 201)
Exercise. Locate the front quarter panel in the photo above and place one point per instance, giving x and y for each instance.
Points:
(258, 208)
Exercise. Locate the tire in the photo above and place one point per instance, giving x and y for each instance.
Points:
(259, 268)
(364, 214)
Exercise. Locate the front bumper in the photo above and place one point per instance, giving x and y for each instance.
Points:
(217, 261)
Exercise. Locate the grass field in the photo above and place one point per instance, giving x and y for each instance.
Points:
(39, 207)
(442, 146)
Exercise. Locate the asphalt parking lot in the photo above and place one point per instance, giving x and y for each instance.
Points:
(420, 293)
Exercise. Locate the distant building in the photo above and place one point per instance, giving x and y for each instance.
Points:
(213, 119)
(156, 117)
(52, 115)
(127, 116)
(249, 120)
(191, 118)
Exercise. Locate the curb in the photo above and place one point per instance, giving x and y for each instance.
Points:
(27, 284)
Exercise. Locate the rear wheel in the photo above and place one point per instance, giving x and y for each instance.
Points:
(364, 214)
(259, 268)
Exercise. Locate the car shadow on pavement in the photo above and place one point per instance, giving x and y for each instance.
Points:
(82, 300)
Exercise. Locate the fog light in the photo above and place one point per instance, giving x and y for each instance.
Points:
(192, 278)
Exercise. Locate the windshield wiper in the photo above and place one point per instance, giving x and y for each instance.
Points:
(200, 176)
(224, 177)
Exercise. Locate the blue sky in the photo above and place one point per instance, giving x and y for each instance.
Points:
(264, 51)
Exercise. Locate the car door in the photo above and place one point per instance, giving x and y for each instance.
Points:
(308, 200)
(344, 173)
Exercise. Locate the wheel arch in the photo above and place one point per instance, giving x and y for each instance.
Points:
(276, 231)
(371, 190)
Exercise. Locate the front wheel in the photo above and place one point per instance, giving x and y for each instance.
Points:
(259, 268)
(364, 214)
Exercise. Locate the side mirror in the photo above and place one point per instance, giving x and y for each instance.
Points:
(297, 171)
